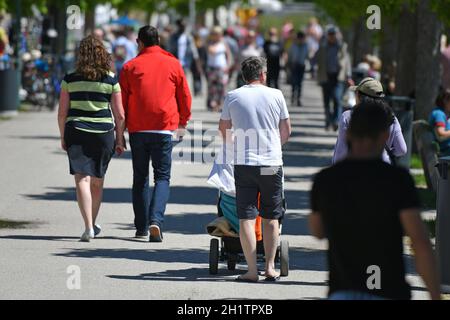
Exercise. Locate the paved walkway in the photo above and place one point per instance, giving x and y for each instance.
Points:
(35, 186)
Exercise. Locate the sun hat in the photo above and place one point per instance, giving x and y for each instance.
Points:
(370, 87)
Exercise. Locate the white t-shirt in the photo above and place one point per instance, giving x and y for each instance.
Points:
(219, 58)
(255, 112)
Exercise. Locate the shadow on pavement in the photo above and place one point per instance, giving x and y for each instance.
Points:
(40, 238)
(184, 223)
(307, 259)
(300, 258)
(178, 195)
(192, 256)
(202, 274)
(191, 274)
(35, 137)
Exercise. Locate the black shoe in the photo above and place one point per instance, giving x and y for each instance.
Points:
(299, 103)
(141, 234)
(155, 233)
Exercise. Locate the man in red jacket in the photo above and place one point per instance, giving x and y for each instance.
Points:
(157, 102)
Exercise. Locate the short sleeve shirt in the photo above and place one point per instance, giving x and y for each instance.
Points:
(438, 118)
(255, 112)
(360, 202)
(90, 102)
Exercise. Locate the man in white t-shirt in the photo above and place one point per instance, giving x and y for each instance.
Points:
(255, 118)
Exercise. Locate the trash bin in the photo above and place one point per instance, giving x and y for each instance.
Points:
(443, 223)
(9, 92)
(403, 108)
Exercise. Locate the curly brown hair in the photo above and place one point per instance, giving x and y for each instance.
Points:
(93, 61)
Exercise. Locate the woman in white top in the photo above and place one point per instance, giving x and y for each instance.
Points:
(218, 66)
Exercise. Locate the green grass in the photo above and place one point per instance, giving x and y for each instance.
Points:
(8, 224)
(416, 162)
(420, 180)
(3, 118)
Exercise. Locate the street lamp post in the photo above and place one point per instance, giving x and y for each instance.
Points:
(18, 32)
(192, 13)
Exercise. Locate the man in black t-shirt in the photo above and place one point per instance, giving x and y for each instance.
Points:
(273, 50)
(363, 207)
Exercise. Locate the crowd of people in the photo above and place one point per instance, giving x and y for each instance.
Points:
(362, 193)
(216, 54)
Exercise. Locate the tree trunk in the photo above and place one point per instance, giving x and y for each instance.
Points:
(89, 25)
(362, 41)
(406, 53)
(428, 64)
(388, 51)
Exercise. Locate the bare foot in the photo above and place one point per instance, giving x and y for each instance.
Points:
(271, 274)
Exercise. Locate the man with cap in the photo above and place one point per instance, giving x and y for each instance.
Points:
(334, 69)
(371, 90)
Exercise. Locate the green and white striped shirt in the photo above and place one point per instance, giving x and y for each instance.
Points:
(90, 102)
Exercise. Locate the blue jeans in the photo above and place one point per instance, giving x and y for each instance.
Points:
(332, 92)
(353, 295)
(298, 74)
(157, 148)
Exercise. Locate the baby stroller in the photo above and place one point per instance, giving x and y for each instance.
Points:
(226, 246)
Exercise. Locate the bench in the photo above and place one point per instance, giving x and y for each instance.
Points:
(428, 150)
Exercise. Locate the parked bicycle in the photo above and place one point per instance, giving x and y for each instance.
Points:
(41, 76)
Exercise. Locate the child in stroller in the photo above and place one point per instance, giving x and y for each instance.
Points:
(226, 227)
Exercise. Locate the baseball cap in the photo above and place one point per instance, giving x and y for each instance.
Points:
(332, 29)
(370, 87)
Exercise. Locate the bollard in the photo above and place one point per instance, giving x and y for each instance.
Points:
(443, 223)
(9, 92)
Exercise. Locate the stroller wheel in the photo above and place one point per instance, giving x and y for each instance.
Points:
(214, 256)
(232, 260)
(284, 258)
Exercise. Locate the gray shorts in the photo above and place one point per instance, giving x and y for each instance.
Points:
(259, 191)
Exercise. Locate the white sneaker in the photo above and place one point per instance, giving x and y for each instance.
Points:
(97, 230)
(87, 236)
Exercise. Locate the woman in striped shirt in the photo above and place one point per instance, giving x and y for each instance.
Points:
(90, 110)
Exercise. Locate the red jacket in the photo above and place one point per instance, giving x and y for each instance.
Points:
(155, 92)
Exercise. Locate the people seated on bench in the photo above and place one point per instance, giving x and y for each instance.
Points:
(440, 122)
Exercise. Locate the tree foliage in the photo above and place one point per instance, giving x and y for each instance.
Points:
(345, 12)
(181, 6)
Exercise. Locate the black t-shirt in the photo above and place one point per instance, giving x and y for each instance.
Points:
(360, 203)
(273, 51)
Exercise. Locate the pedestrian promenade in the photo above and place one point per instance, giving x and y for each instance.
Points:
(35, 186)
